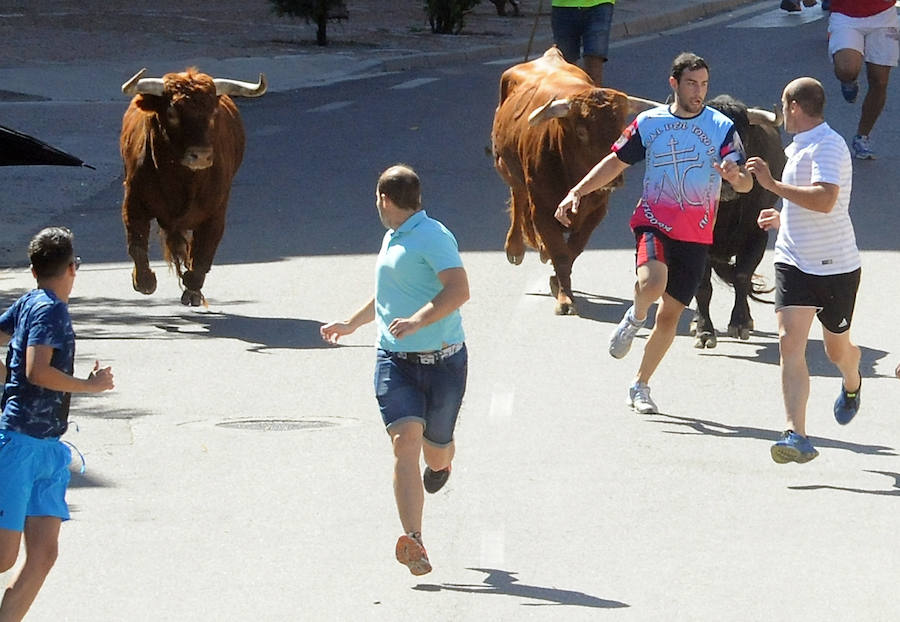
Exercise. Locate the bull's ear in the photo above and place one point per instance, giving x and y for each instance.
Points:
(151, 103)
(554, 108)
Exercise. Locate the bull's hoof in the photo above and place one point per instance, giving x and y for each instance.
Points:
(191, 297)
(565, 308)
(144, 282)
(515, 259)
(705, 339)
(545, 257)
(739, 332)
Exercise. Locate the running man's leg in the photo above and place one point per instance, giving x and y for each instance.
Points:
(649, 286)
(41, 549)
(845, 355)
(793, 333)
(876, 95)
(847, 64)
(406, 438)
(667, 315)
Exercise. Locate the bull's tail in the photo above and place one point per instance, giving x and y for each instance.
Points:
(758, 285)
(176, 251)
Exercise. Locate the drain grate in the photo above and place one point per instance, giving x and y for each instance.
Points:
(276, 425)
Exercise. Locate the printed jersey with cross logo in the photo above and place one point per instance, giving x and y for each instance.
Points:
(681, 187)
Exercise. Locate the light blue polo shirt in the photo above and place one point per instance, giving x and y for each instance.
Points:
(406, 279)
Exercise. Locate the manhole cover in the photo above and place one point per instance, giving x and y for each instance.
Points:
(276, 425)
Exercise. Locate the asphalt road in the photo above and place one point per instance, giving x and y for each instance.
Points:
(239, 470)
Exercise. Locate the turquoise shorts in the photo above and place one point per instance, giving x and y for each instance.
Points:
(35, 475)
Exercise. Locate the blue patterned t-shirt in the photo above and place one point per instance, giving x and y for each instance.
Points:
(39, 318)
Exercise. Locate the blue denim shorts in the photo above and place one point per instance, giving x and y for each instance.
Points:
(35, 474)
(430, 394)
(578, 32)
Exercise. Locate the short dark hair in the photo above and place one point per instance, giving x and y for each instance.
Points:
(401, 185)
(51, 252)
(687, 61)
(809, 95)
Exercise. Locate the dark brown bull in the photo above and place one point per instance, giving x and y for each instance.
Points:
(182, 143)
(738, 242)
(551, 127)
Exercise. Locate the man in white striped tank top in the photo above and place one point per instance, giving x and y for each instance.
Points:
(817, 263)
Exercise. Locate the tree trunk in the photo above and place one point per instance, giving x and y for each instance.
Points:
(321, 23)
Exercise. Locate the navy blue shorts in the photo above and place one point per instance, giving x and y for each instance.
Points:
(428, 393)
(582, 32)
(685, 261)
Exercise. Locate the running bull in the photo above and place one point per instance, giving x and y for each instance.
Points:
(182, 143)
(551, 126)
(738, 242)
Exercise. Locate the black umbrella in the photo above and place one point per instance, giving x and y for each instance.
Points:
(18, 149)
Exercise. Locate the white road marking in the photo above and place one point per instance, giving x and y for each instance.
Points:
(331, 106)
(413, 84)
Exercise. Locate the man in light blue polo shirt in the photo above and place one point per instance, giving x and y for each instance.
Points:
(421, 363)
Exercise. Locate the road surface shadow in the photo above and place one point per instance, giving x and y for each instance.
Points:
(690, 426)
(894, 491)
(504, 583)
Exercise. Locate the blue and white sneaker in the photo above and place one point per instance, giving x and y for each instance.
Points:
(862, 148)
(847, 404)
(621, 338)
(850, 90)
(639, 399)
(793, 447)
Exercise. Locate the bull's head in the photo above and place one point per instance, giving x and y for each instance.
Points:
(186, 105)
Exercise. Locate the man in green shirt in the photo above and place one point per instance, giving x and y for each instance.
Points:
(581, 29)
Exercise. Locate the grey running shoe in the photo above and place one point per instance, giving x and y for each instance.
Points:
(862, 148)
(621, 338)
(639, 399)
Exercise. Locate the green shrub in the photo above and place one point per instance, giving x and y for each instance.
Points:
(318, 11)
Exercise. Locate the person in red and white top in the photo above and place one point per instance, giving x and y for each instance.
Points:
(864, 30)
(817, 263)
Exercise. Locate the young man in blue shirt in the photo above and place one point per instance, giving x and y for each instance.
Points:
(422, 361)
(34, 463)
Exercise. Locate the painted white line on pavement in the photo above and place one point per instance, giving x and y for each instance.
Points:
(412, 84)
(331, 106)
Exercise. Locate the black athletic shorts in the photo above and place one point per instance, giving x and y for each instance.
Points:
(833, 296)
(686, 261)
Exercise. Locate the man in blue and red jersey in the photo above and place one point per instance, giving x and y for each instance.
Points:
(689, 149)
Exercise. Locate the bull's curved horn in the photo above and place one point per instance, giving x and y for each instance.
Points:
(237, 88)
(757, 116)
(639, 104)
(147, 86)
(554, 108)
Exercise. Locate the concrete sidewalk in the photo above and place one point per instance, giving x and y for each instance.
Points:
(38, 76)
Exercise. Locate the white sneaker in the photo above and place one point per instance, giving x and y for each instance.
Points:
(862, 148)
(621, 338)
(639, 399)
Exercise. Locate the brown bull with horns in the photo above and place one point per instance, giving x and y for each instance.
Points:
(182, 143)
(551, 126)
